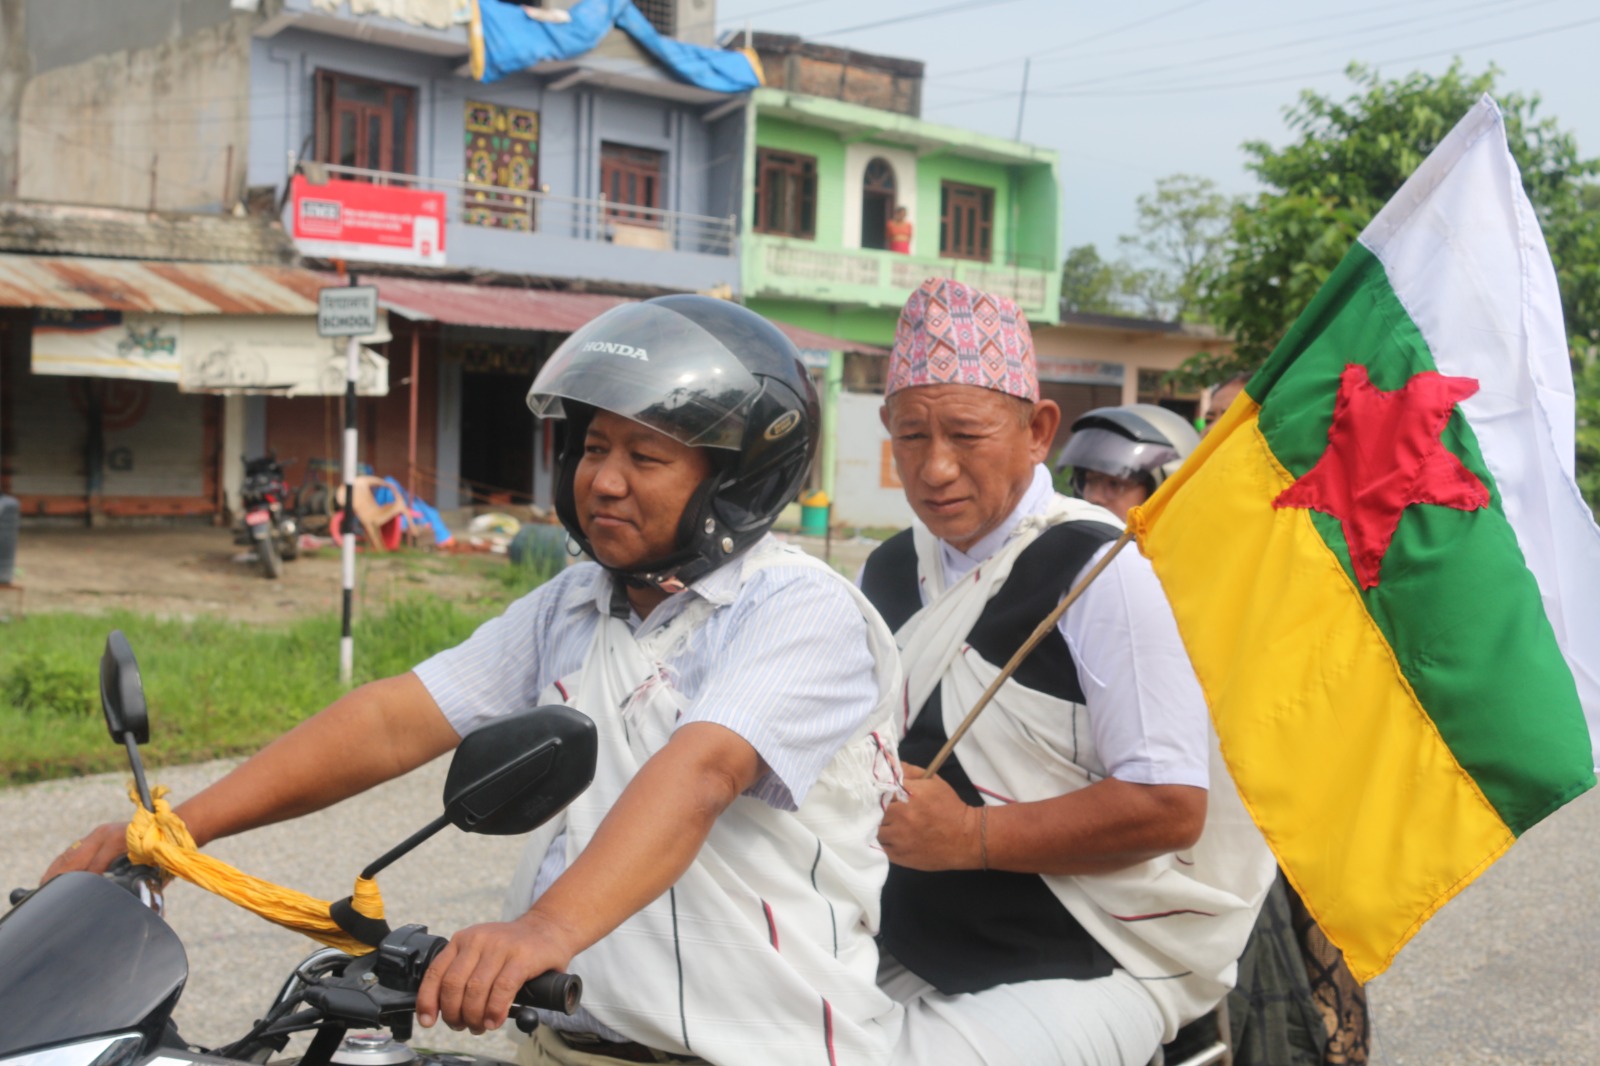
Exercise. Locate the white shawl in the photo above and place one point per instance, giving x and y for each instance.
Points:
(1177, 923)
(763, 950)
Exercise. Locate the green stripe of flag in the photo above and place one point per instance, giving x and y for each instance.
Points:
(1456, 602)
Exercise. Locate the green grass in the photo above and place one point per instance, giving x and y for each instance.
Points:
(214, 688)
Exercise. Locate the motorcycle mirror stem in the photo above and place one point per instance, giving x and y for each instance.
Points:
(511, 776)
(122, 701)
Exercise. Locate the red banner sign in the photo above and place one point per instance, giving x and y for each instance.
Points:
(366, 222)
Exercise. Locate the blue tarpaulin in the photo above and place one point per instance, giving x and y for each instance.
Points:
(512, 41)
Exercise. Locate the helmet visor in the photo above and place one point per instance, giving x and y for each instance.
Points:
(653, 365)
(1111, 453)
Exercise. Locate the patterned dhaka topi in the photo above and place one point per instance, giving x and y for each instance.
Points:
(952, 334)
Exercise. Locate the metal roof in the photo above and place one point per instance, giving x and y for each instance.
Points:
(493, 306)
(505, 307)
(81, 283)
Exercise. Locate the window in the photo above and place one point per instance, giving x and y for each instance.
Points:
(630, 177)
(877, 203)
(786, 193)
(662, 14)
(503, 150)
(966, 221)
(368, 124)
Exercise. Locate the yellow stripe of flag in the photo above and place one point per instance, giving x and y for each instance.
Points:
(1310, 703)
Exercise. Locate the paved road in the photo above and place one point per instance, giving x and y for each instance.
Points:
(1509, 973)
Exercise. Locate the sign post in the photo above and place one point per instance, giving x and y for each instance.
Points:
(349, 311)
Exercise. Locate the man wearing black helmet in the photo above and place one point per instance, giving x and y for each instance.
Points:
(717, 886)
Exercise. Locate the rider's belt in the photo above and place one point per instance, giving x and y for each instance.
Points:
(627, 1051)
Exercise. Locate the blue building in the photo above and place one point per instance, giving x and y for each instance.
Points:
(596, 174)
(566, 188)
(601, 167)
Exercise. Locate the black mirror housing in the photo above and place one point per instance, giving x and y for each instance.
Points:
(517, 772)
(122, 691)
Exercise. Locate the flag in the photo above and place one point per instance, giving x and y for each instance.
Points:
(1382, 568)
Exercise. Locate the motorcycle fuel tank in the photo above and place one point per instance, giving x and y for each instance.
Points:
(83, 957)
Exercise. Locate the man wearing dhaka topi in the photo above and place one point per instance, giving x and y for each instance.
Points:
(1079, 878)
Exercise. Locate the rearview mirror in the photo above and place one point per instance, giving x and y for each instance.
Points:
(122, 691)
(514, 774)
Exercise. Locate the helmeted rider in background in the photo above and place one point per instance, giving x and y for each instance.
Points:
(1119, 456)
(716, 886)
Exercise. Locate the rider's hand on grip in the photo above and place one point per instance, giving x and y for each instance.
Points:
(552, 991)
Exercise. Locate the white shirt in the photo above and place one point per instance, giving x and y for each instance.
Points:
(783, 662)
(1147, 715)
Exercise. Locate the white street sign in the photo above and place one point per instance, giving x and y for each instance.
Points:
(347, 311)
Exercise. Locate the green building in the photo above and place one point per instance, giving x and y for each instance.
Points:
(838, 145)
(825, 176)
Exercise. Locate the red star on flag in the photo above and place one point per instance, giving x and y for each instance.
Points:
(1384, 454)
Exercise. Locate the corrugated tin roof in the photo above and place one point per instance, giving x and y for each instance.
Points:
(503, 307)
(81, 283)
(493, 306)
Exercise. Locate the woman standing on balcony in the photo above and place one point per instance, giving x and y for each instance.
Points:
(898, 232)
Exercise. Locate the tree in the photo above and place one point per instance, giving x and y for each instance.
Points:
(1183, 231)
(1088, 283)
(1586, 378)
(1350, 158)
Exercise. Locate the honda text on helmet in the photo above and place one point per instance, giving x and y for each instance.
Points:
(709, 374)
(1137, 442)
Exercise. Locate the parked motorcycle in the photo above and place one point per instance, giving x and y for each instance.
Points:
(90, 972)
(269, 523)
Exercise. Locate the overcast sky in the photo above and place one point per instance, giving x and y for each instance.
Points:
(1128, 91)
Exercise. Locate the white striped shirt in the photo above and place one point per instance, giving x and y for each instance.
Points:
(783, 661)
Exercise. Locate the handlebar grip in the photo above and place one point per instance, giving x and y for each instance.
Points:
(552, 991)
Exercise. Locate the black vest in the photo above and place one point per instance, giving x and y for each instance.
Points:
(968, 930)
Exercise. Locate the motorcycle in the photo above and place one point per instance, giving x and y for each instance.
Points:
(90, 972)
(269, 524)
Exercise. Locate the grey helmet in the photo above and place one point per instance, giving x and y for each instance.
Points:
(707, 373)
(1138, 441)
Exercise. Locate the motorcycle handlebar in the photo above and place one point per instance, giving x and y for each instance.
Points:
(141, 881)
(552, 991)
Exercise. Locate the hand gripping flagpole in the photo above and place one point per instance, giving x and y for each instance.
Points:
(1041, 631)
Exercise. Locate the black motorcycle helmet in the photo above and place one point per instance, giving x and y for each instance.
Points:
(707, 373)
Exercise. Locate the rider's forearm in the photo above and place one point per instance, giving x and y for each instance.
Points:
(652, 833)
(370, 735)
(1107, 826)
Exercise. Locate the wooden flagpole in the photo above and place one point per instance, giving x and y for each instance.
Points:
(1039, 633)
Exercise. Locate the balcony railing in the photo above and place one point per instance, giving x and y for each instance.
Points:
(791, 265)
(473, 203)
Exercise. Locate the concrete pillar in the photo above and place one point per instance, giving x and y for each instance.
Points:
(16, 68)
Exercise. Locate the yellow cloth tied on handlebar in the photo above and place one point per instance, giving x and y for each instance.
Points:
(161, 839)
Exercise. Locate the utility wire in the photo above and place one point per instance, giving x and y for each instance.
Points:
(1062, 91)
(1433, 54)
(969, 5)
(1257, 50)
(1454, 17)
(1079, 42)
(1190, 42)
